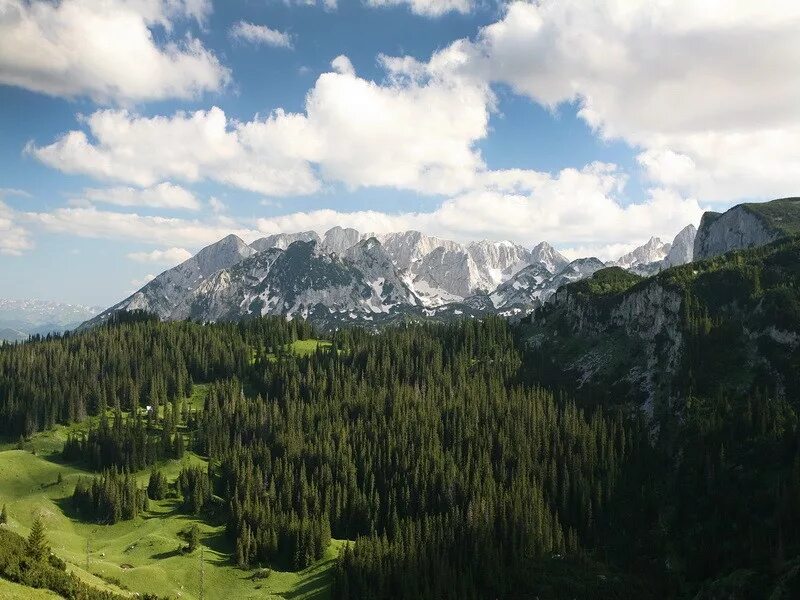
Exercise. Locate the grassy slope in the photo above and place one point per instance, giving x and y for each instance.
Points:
(14, 591)
(783, 214)
(150, 544)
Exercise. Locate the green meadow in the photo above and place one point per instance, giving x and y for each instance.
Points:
(144, 554)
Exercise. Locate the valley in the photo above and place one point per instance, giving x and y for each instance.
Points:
(591, 446)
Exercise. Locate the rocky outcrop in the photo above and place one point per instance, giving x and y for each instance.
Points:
(547, 256)
(168, 294)
(740, 227)
(631, 341)
(339, 240)
(682, 249)
(284, 240)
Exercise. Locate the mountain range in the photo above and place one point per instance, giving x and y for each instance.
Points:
(21, 318)
(348, 277)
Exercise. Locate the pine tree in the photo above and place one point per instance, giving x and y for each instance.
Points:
(3, 516)
(37, 541)
(193, 539)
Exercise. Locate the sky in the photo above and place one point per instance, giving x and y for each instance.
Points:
(135, 132)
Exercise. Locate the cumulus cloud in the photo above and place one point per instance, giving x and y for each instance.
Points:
(709, 93)
(14, 239)
(163, 195)
(260, 34)
(186, 146)
(169, 256)
(428, 8)
(93, 223)
(106, 50)
(410, 132)
(573, 208)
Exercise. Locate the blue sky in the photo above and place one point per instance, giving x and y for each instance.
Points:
(593, 128)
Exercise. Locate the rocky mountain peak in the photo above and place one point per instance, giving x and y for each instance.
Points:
(652, 251)
(682, 249)
(338, 239)
(544, 254)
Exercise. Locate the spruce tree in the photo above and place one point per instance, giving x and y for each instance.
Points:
(37, 541)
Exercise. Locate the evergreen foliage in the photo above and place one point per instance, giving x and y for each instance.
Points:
(436, 450)
(157, 486)
(37, 548)
(110, 498)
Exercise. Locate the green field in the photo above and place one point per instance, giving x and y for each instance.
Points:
(307, 347)
(302, 348)
(141, 555)
(13, 591)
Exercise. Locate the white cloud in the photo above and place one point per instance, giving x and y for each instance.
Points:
(328, 5)
(14, 239)
(93, 223)
(707, 89)
(169, 256)
(14, 192)
(572, 208)
(217, 205)
(163, 195)
(186, 146)
(428, 8)
(342, 65)
(106, 50)
(415, 133)
(260, 34)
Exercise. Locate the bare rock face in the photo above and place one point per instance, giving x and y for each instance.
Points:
(339, 240)
(653, 251)
(526, 289)
(442, 271)
(445, 276)
(284, 240)
(640, 328)
(167, 294)
(547, 256)
(682, 249)
(740, 227)
(496, 262)
(408, 248)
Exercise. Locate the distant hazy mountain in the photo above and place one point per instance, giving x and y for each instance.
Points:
(21, 318)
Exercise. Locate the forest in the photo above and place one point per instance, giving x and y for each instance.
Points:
(445, 462)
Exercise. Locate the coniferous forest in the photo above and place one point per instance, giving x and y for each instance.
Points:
(432, 448)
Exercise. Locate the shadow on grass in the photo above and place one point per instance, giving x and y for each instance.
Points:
(167, 554)
(316, 587)
(219, 543)
(66, 507)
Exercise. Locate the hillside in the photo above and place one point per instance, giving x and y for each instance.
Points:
(589, 451)
(140, 555)
(729, 324)
(746, 226)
